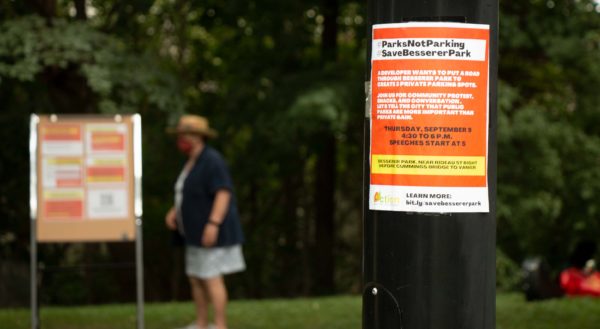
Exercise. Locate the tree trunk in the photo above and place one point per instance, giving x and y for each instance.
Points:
(80, 9)
(325, 211)
(325, 172)
(330, 30)
(287, 250)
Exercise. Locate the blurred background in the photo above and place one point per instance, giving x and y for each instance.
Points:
(283, 83)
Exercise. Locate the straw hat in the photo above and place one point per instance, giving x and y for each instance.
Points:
(193, 124)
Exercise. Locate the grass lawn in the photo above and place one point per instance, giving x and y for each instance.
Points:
(318, 313)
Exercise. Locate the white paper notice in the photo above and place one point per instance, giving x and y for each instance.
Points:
(62, 172)
(107, 203)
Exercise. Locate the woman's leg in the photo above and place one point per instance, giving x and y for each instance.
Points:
(200, 296)
(218, 295)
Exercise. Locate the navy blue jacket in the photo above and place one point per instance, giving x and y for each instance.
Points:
(209, 174)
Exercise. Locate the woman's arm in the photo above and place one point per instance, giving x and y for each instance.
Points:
(216, 217)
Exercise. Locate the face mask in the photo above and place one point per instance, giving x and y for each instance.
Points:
(184, 146)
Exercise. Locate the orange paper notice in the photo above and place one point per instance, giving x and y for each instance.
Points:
(108, 141)
(429, 117)
(63, 204)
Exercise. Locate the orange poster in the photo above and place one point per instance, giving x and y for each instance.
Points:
(429, 117)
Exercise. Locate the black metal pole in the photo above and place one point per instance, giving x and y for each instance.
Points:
(431, 270)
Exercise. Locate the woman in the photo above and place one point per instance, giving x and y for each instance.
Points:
(205, 214)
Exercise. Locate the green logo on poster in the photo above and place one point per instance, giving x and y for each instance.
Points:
(385, 199)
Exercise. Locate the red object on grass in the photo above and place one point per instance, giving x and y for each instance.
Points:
(575, 283)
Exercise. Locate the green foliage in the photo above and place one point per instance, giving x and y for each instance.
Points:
(548, 145)
(29, 45)
(120, 80)
(508, 273)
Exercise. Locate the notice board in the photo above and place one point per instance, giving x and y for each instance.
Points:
(85, 178)
(429, 117)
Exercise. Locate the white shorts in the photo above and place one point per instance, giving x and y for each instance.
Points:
(206, 263)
